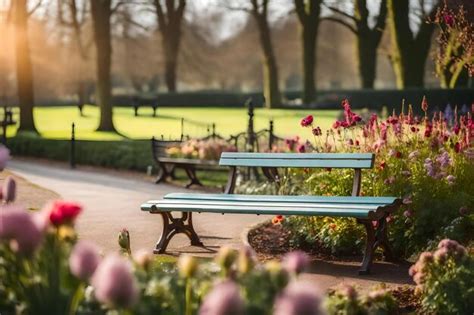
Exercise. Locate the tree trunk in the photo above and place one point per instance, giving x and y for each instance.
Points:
(271, 90)
(23, 67)
(409, 52)
(367, 60)
(101, 13)
(171, 62)
(309, 36)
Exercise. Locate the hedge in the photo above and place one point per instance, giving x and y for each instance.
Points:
(125, 154)
(326, 99)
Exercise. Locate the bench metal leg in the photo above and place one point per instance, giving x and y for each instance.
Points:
(173, 226)
(375, 238)
(164, 173)
(193, 180)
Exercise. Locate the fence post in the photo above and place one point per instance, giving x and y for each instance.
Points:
(270, 136)
(72, 157)
(4, 125)
(182, 129)
(250, 130)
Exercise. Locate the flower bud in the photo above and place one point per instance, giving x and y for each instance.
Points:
(224, 299)
(143, 258)
(9, 189)
(187, 266)
(296, 262)
(84, 260)
(246, 260)
(226, 257)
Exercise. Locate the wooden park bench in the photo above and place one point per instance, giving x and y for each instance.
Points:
(366, 210)
(167, 165)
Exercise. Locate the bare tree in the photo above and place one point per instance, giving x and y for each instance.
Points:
(170, 17)
(101, 14)
(258, 9)
(24, 69)
(409, 49)
(368, 38)
(74, 14)
(309, 12)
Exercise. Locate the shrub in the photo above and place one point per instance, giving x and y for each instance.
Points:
(346, 301)
(427, 162)
(445, 279)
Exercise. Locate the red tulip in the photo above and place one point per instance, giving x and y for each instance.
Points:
(64, 212)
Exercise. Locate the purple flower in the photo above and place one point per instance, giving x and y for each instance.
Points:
(224, 299)
(299, 298)
(296, 262)
(84, 260)
(114, 282)
(4, 157)
(451, 179)
(9, 189)
(18, 226)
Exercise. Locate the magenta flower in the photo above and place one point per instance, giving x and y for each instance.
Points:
(9, 189)
(4, 157)
(317, 131)
(408, 213)
(448, 20)
(84, 260)
(307, 121)
(296, 262)
(464, 211)
(299, 298)
(19, 227)
(224, 299)
(301, 148)
(114, 282)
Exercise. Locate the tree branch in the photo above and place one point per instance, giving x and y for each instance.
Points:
(339, 11)
(38, 4)
(341, 22)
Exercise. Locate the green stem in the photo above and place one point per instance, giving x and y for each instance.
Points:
(76, 299)
(188, 297)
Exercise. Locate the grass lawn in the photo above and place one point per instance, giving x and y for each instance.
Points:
(55, 122)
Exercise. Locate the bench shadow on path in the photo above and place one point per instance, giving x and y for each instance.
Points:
(395, 273)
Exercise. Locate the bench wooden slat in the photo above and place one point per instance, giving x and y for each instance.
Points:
(188, 161)
(273, 198)
(263, 210)
(298, 160)
(264, 203)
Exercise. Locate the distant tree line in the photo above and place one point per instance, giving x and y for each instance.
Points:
(409, 49)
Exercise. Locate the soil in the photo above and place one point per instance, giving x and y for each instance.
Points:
(29, 195)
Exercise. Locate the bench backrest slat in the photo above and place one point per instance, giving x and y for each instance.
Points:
(298, 160)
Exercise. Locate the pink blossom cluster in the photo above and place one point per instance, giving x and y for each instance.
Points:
(447, 249)
(350, 118)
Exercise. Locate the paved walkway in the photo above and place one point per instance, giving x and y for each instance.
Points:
(112, 202)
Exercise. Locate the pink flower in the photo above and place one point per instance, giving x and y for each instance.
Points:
(296, 262)
(224, 299)
(448, 19)
(424, 104)
(301, 148)
(317, 131)
(84, 260)
(408, 213)
(307, 121)
(64, 212)
(9, 189)
(18, 226)
(114, 282)
(299, 298)
(4, 157)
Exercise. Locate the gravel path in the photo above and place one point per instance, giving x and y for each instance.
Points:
(112, 201)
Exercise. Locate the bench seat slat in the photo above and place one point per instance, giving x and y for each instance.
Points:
(273, 198)
(267, 210)
(243, 204)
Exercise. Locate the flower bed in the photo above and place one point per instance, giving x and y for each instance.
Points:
(429, 162)
(210, 149)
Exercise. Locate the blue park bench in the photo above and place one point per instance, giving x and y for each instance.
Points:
(366, 210)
